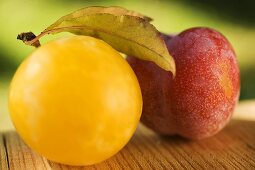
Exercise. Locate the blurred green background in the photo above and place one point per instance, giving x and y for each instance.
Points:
(235, 19)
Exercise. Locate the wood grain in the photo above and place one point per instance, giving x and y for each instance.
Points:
(3, 155)
(233, 148)
(21, 157)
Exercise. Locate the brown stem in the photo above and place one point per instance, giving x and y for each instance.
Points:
(28, 37)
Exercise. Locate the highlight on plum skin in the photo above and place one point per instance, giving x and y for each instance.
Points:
(200, 100)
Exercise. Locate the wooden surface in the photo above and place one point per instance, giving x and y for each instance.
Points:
(233, 148)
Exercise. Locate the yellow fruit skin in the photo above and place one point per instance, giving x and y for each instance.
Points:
(75, 100)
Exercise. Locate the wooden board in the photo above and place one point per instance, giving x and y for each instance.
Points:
(3, 155)
(232, 148)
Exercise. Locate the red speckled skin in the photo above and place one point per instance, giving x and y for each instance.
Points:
(200, 100)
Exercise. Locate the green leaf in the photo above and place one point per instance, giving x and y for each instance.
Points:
(117, 11)
(126, 31)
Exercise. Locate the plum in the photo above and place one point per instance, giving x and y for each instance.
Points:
(199, 101)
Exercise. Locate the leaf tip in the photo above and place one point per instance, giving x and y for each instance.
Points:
(173, 69)
(170, 67)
